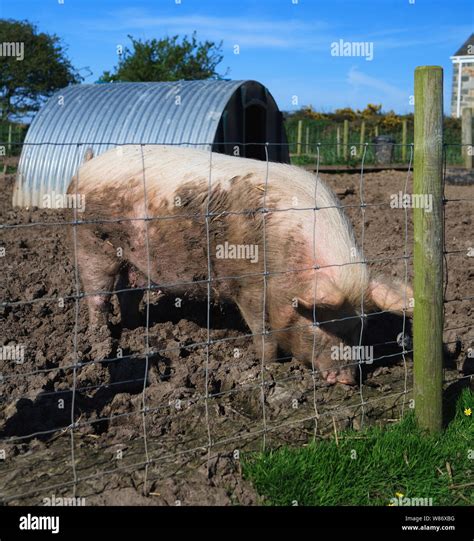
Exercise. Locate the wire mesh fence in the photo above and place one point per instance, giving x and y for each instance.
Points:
(174, 390)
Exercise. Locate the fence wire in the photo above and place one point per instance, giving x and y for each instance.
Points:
(258, 428)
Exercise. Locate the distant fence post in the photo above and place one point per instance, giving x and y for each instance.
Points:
(404, 140)
(376, 130)
(307, 140)
(9, 146)
(467, 137)
(299, 136)
(338, 141)
(428, 248)
(19, 138)
(362, 135)
(345, 139)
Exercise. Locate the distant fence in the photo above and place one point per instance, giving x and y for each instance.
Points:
(11, 134)
(343, 142)
(336, 142)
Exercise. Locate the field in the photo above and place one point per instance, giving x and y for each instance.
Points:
(114, 436)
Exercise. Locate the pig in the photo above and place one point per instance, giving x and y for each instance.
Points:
(271, 238)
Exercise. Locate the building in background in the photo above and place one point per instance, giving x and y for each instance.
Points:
(463, 78)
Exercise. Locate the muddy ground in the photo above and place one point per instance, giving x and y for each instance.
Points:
(114, 436)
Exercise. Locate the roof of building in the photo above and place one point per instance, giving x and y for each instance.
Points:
(463, 50)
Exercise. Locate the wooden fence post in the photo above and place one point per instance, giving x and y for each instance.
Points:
(307, 140)
(299, 136)
(345, 139)
(338, 142)
(404, 140)
(428, 248)
(466, 129)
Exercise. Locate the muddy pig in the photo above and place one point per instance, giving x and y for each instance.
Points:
(271, 238)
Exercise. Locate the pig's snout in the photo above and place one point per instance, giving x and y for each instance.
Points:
(345, 376)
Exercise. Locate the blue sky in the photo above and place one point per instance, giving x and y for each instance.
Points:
(285, 46)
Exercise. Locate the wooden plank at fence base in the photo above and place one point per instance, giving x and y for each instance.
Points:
(428, 248)
(467, 150)
(341, 168)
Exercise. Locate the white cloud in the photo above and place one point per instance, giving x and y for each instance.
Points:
(357, 79)
(310, 36)
(234, 30)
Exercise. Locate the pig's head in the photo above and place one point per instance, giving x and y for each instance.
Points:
(339, 323)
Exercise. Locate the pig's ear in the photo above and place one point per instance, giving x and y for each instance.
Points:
(392, 297)
(327, 295)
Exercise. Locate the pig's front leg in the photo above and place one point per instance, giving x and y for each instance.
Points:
(98, 307)
(266, 348)
(251, 310)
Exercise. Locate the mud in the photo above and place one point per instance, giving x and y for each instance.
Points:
(168, 428)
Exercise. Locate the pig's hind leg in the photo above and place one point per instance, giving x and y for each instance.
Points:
(98, 267)
(130, 288)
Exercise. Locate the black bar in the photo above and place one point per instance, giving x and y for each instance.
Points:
(422, 521)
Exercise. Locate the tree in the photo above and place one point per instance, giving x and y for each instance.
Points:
(371, 112)
(391, 121)
(344, 114)
(167, 59)
(32, 67)
(308, 112)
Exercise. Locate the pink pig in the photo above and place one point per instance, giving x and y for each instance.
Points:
(249, 226)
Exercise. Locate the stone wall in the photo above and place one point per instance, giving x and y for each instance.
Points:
(467, 87)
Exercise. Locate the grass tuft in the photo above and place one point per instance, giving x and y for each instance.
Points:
(370, 467)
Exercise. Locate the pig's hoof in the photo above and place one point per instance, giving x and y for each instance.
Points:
(101, 350)
(346, 380)
(330, 377)
(102, 344)
(333, 377)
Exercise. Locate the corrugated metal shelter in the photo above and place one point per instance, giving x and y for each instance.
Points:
(101, 116)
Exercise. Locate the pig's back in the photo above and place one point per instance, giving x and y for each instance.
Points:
(113, 185)
(117, 178)
(164, 168)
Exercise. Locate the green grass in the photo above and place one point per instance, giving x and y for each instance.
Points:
(392, 460)
(9, 170)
